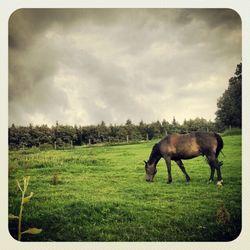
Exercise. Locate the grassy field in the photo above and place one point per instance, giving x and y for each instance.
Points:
(99, 193)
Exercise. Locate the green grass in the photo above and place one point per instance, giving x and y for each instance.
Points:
(101, 195)
(233, 131)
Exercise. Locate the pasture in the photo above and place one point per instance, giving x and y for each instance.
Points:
(99, 193)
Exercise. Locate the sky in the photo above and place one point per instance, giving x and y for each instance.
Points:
(84, 66)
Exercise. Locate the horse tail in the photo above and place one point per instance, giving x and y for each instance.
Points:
(220, 145)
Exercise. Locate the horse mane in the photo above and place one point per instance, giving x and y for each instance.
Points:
(155, 155)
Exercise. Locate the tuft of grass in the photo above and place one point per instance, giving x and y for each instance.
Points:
(55, 179)
(222, 215)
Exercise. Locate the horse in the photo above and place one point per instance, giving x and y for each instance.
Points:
(177, 147)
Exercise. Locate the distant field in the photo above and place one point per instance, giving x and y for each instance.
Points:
(101, 195)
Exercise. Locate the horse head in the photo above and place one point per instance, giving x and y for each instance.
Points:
(150, 170)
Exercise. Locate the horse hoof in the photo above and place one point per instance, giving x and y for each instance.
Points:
(169, 182)
(220, 183)
(210, 181)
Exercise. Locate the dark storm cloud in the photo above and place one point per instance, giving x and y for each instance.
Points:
(87, 65)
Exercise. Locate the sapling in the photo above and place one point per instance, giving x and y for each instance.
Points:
(24, 200)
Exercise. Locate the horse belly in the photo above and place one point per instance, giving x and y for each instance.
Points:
(187, 155)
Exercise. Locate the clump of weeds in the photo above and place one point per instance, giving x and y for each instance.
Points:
(55, 179)
(24, 200)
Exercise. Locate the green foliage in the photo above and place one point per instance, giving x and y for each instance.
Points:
(24, 200)
(229, 104)
(66, 137)
(104, 196)
(198, 124)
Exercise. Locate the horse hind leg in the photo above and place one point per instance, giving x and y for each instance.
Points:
(214, 164)
(211, 178)
(181, 165)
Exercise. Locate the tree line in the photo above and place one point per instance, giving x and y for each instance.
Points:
(64, 135)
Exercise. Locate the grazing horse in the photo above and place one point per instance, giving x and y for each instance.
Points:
(186, 146)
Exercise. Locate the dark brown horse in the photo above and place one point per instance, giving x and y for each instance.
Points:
(186, 146)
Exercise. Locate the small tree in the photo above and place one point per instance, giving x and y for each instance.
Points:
(229, 104)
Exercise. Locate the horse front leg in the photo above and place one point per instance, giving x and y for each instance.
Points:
(168, 163)
(181, 165)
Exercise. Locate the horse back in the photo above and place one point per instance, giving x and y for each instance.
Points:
(187, 146)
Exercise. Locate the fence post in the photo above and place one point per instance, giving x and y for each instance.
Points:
(55, 145)
(127, 138)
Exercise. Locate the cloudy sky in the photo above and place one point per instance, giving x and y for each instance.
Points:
(82, 66)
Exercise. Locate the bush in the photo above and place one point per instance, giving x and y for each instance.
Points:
(46, 146)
